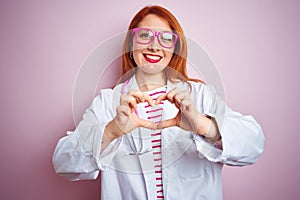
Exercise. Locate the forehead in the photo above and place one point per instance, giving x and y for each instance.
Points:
(154, 21)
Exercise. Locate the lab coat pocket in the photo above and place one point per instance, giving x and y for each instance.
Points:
(190, 166)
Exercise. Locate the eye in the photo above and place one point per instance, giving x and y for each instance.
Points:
(145, 34)
(167, 37)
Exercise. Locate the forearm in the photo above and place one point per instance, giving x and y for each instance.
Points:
(111, 132)
(208, 129)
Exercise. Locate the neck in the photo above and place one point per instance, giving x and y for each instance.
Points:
(148, 82)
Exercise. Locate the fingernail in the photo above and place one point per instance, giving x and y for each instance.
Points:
(154, 125)
(154, 103)
(159, 126)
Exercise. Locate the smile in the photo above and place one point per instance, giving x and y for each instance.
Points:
(152, 58)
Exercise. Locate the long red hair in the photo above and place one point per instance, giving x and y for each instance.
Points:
(178, 60)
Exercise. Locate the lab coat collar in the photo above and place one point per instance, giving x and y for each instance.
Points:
(132, 84)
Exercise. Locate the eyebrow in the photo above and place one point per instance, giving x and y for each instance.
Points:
(156, 29)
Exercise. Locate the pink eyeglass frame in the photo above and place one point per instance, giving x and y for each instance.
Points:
(155, 33)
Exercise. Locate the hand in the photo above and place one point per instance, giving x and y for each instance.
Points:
(126, 118)
(188, 117)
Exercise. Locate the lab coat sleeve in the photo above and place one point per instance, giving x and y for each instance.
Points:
(77, 155)
(242, 137)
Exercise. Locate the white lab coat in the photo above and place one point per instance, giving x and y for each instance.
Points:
(192, 167)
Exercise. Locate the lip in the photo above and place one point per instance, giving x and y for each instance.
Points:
(152, 58)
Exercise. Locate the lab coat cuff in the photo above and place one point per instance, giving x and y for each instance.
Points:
(206, 149)
(97, 146)
(236, 151)
(211, 150)
(104, 158)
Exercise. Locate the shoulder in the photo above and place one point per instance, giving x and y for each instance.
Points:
(102, 98)
(105, 93)
(206, 92)
(197, 87)
(109, 96)
(202, 87)
(109, 92)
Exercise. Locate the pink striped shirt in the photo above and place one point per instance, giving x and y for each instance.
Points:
(155, 115)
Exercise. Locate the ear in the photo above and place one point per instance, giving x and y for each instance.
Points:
(131, 55)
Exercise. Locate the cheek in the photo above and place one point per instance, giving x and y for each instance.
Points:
(137, 47)
(137, 51)
(168, 56)
(138, 57)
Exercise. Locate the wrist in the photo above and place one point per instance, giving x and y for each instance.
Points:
(112, 131)
(213, 134)
(209, 129)
(204, 124)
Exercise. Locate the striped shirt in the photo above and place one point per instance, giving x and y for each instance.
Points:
(155, 115)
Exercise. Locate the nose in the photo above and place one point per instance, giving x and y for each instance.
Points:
(154, 45)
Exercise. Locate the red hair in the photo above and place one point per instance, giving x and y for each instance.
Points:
(178, 60)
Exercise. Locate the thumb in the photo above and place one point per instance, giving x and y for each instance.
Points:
(146, 124)
(167, 123)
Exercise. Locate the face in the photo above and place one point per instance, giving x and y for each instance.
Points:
(152, 58)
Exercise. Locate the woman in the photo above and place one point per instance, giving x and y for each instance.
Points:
(158, 134)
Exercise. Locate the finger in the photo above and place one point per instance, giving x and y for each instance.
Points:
(123, 119)
(160, 98)
(173, 96)
(124, 113)
(128, 100)
(149, 100)
(138, 95)
(145, 123)
(173, 93)
(167, 123)
(123, 110)
(141, 97)
(170, 97)
(187, 105)
(180, 96)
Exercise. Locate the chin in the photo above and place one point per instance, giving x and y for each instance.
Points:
(152, 68)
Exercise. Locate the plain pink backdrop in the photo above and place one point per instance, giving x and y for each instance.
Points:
(254, 44)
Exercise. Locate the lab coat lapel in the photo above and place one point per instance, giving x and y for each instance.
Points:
(175, 141)
(169, 111)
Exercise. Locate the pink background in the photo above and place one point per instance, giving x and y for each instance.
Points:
(254, 44)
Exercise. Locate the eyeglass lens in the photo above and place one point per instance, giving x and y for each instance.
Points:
(146, 36)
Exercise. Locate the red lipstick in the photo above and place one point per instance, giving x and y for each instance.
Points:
(152, 58)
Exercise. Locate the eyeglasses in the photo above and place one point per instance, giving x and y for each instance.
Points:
(166, 39)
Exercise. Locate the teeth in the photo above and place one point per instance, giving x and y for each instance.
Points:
(153, 57)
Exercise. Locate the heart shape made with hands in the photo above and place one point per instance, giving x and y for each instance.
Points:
(187, 118)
